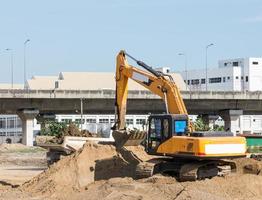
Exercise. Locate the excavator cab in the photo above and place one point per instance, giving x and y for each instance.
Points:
(162, 127)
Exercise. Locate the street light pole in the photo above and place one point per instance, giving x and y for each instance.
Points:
(211, 44)
(12, 66)
(185, 56)
(28, 40)
(81, 110)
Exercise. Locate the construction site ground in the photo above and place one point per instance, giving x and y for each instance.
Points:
(101, 172)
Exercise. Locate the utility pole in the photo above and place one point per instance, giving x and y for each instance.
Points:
(12, 67)
(211, 44)
(28, 40)
(81, 110)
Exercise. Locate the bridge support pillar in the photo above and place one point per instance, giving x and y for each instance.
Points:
(231, 118)
(27, 117)
(43, 119)
(209, 120)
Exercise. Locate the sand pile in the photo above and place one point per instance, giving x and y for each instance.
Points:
(248, 166)
(100, 172)
(92, 163)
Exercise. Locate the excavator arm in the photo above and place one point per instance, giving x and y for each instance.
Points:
(157, 82)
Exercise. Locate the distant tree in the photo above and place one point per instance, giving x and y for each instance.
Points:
(200, 125)
(218, 128)
(54, 128)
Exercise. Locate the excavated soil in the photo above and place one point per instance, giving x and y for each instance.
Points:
(101, 172)
(93, 162)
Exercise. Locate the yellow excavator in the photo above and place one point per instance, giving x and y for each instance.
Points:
(187, 154)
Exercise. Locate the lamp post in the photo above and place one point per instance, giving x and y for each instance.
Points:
(185, 56)
(81, 110)
(12, 66)
(28, 40)
(211, 44)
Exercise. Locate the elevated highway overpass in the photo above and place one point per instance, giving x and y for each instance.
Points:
(29, 104)
(139, 102)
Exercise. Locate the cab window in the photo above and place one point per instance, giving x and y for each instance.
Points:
(155, 128)
(180, 127)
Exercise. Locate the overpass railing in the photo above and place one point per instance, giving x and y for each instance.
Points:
(137, 94)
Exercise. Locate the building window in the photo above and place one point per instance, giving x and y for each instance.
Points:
(246, 78)
(203, 81)
(235, 64)
(140, 121)
(2, 123)
(195, 82)
(78, 121)
(215, 80)
(129, 122)
(224, 79)
(2, 133)
(236, 77)
(225, 64)
(10, 123)
(56, 84)
(242, 78)
(112, 121)
(255, 63)
(104, 121)
(188, 82)
(91, 120)
(228, 78)
(67, 121)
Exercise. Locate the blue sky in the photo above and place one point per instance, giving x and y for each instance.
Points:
(86, 35)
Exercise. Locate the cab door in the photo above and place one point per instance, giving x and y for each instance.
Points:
(159, 131)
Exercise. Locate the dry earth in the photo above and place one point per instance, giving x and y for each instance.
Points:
(100, 172)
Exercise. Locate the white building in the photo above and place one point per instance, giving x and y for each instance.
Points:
(242, 74)
(10, 128)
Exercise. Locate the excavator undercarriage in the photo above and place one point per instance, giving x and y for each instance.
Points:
(185, 170)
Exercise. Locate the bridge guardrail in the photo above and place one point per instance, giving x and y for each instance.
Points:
(140, 94)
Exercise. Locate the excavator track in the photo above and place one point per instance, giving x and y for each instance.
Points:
(186, 170)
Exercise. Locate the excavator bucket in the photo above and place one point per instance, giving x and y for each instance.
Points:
(128, 137)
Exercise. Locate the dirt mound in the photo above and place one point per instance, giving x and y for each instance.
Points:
(73, 130)
(245, 186)
(248, 166)
(100, 172)
(92, 163)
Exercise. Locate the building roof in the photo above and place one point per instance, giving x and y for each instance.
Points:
(9, 86)
(87, 81)
(41, 82)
